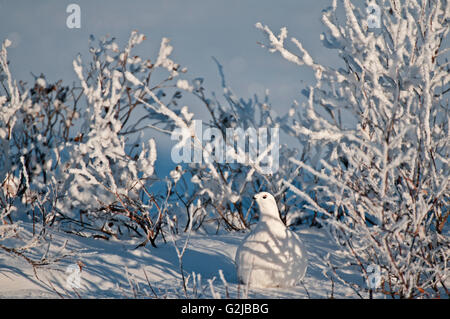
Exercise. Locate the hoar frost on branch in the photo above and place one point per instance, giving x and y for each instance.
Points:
(108, 178)
(378, 169)
(92, 173)
(33, 122)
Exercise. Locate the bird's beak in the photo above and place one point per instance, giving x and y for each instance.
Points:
(254, 197)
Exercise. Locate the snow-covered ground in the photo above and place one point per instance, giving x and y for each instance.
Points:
(116, 269)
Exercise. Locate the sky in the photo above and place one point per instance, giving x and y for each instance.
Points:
(198, 30)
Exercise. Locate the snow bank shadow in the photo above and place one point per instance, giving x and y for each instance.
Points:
(109, 266)
(204, 256)
(318, 244)
(12, 278)
(209, 263)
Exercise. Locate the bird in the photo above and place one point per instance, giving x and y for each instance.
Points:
(271, 255)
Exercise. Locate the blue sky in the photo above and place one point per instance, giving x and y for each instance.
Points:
(198, 29)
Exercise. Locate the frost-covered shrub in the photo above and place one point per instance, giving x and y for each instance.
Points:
(378, 134)
(79, 155)
(108, 168)
(33, 122)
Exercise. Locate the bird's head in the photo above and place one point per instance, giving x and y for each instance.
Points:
(267, 206)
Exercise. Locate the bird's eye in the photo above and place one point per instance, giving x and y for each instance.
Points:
(265, 196)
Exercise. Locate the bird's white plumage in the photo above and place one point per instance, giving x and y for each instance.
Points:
(271, 255)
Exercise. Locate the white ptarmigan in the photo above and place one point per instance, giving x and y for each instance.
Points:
(271, 255)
